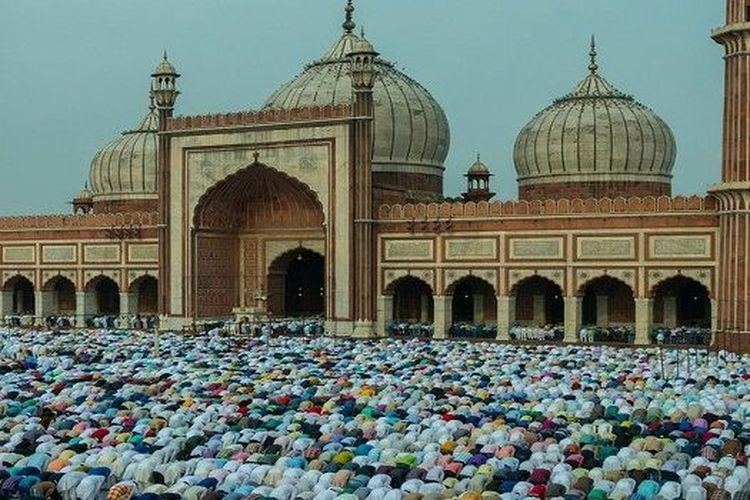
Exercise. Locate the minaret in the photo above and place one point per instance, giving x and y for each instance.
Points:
(363, 73)
(478, 182)
(164, 92)
(733, 193)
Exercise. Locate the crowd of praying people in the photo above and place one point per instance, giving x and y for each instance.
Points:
(684, 335)
(466, 330)
(113, 416)
(549, 333)
(405, 329)
(619, 334)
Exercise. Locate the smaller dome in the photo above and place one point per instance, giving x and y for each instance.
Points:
(478, 168)
(164, 67)
(362, 46)
(85, 194)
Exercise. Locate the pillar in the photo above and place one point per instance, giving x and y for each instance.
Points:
(602, 310)
(670, 312)
(45, 304)
(644, 316)
(81, 309)
(478, 299)
(573, 314)
(506, 309)
(714, 316)
(6, 303)
(539, 310)
(384, 314)
(128, 303)
(424, 308)
(443, 315)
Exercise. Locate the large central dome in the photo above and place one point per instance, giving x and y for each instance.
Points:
(411, 130)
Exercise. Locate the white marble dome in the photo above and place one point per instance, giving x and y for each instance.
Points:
(596, 133)
(411, 129)
(125, 168)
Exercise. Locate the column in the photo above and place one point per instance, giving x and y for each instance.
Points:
(128, 303)
(644, 316)
(80, 309)
(602, 310)
(506, 308)
(714, 316)
(6, 304)
(45, 303)
(443, 315)
(573, 312)
(478, 299)
(670, 312)
(384, 314)
(424, 308)
(539, 312)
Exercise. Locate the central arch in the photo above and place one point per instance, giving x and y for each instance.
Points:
(233, 220)
(296, 283)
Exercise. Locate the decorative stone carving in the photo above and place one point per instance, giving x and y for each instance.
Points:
(701, 275)
(680, 247)
(52, 274)
(101, 253)
(59, 253)
(606, 247)
(471, 248)
(143, 252)
(584, 276)
(452, 276)
(8, 275)
(90, 275)
(516, 276)
(393, 275)
(306, 163)
(536, 248)
(19, 254)
(401, 250)
(136, 274)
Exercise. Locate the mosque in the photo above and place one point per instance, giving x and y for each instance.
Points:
(329, 201)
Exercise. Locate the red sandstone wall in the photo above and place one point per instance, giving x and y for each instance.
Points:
(583, 190)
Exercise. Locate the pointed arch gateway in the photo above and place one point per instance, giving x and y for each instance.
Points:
(235, 221)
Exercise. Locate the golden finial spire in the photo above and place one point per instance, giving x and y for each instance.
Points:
(593, 67)
(349, 24)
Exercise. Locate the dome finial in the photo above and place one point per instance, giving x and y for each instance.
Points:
(478, 156)
(593, 66)
(151, 104)
(349, 24)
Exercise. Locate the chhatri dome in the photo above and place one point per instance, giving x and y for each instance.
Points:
(411, 129)
(594, 142)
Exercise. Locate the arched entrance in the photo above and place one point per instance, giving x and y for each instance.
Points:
(607, 302)
(103, 297)
(473, 308)
(412, 301)
(682, 301)
(62, 296)
(296, 283)
(144, 291)
(19, 296)
(539, 302)
(235, 221)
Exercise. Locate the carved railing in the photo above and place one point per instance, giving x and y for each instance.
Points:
(591, 206)
(105, 221)
(259, 117)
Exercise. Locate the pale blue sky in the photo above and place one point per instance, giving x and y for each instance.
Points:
(75, 72)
